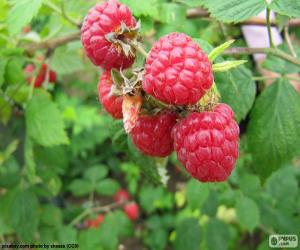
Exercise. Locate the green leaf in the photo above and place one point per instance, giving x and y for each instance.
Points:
(143, 8)
(4, 227)
(274, 127)
(188, 235)
(217, 235)
(108, 233)
(24, 211)
(96, 173)
(3, 63)
(107, 187)
(204, 45)
(147, 164)
(157, 239)
(29, 159)
(5, 109)
(219, 50)
(151, 198)
(51, 215)
(18, 93)
(14, 72)
(192, 3)
(54, 185)
(227, 65)
(66, 61)
(237, 90)
(247, 213)
(44, 122)
(90, 240)
(121, 223)
(276, 64)
(249, 184)
(66, 235)
(197, 193)
(54, 158)
(3, 10)
(114, 226)
(81, 187)
(172, 12)
(281, 183)
(289, 8)
(210, 206)
(21, 14)
(234, 10)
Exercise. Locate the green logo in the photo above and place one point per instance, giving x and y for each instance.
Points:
(273, 241)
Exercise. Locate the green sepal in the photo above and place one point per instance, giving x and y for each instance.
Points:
(227, 65)
(219, 50)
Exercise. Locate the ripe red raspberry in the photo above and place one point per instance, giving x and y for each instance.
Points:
(41, 76)
(94, 223)
(152, 134)
(111, 103)
(52, 76)
(177, 71)
(90, 224)
(101, 20)
(99, 219)
(132, 211)
(121, 196)
(206, 143)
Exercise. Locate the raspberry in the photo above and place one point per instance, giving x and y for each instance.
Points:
(121, 196)
(52, 76)
(207, 143)
(90, 224)
(41, 77)
(94, 223)
(152, 134)
(111, 103)
(101, 20)
(132, 211)
(99, 219)
(177, 71)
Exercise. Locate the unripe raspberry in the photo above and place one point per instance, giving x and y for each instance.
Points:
(121, 196)
(111, 103)
(206, 143)
(177, 71)
(152, 134)
(132, 211)
(41, 76)
(101, 20)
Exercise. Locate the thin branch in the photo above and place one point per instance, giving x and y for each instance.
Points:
(52, 43)
(273, 51)
(99, 209)
(196, 12)
(288, 41)
(80, 217)
(268, 17)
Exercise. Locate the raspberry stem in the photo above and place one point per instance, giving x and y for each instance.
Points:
(138, 47)
(210, 99)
